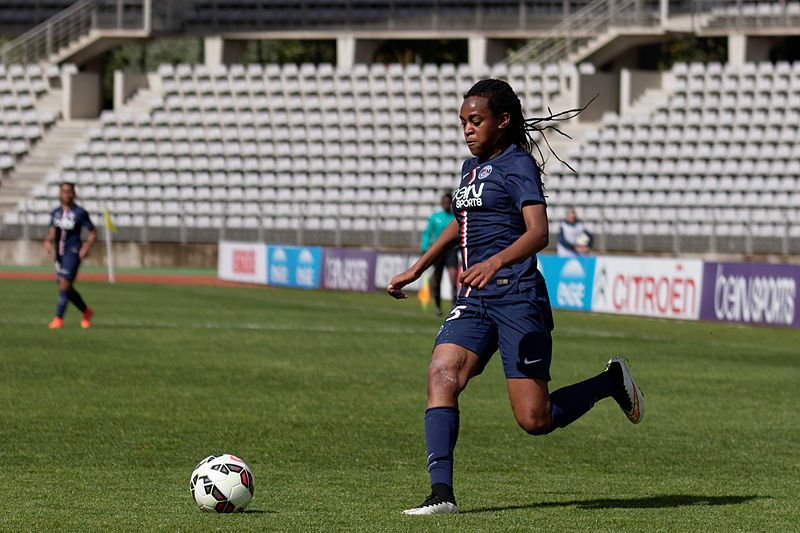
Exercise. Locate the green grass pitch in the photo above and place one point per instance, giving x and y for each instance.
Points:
(323, 394)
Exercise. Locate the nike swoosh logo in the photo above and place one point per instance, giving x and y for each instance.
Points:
(527, 361)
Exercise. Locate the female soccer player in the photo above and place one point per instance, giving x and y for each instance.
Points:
(65, 229)
(500, 224)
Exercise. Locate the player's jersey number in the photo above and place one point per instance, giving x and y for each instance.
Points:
(455, 312)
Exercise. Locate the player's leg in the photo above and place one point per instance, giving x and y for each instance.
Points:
(450, 370)
(436, 285)
(63, 298)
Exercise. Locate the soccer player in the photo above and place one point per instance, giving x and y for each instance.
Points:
(436, 224)
(500, 224)
(66, 223)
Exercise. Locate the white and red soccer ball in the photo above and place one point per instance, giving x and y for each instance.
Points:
(221, 483)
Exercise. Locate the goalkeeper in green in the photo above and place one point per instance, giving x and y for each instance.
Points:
(436, 224)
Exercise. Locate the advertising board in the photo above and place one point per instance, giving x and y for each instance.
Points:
(348, 269)
(569, 281)
(666, 288)
(294, 266)
(242, 261)
(755, 293)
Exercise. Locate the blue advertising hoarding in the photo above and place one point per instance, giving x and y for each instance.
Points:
(569, 281)
(294, 266)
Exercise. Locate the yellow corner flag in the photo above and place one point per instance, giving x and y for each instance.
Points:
(109, 224)
(424, 293)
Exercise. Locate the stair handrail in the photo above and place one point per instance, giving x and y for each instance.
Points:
(47, 37)
(589, 21)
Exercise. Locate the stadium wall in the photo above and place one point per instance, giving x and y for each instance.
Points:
(688, 289)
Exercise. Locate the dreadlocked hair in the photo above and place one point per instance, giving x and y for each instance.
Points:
(524, 132)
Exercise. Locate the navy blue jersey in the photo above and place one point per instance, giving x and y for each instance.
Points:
(488, 209)
(68, 226)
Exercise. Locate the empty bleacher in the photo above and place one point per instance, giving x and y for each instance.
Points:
(308, 153)
(21, 124)
(298, 152)
(715, 168)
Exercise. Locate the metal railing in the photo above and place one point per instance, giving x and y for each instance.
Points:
(70, 25)
(577, 29)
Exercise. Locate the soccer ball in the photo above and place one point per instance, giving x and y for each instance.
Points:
(583, 239)
(221, 483)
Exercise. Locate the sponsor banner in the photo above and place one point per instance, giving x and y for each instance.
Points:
(242, 261)
(755, 293)
(388, 265)
(667, 288)
(294, 266)
(569, 280)
(348, 270)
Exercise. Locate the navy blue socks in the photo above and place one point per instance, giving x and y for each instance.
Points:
(571, 402)
(75, 298)
(63, 298)
(441, 433)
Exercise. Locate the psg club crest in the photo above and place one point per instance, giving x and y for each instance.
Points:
(485, 171)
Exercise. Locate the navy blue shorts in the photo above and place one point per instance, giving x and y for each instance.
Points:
(519, 324)
(67, 266)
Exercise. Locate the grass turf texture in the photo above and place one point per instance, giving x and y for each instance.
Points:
(323, 394)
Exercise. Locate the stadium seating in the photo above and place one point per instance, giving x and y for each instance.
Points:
(308, 153)
(300, 148)
(716, 163)
(21, 125)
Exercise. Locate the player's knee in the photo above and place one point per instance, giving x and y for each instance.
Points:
(443, 374)
(535, 425)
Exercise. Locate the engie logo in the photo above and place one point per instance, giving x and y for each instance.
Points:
(469, 196)
(293, 266)
(569, 280)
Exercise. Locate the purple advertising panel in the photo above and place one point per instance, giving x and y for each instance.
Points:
(751, 293)
(348, 270)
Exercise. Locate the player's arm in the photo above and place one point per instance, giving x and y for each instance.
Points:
(49, 240)
(446, 240)
(529, 243)
(84, 251)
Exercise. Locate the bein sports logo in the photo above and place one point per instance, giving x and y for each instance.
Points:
(571, 289)
(469, 196)
(766, 299)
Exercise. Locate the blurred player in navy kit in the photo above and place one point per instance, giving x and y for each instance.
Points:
(66, 223)
(500, 224)
(437, 222)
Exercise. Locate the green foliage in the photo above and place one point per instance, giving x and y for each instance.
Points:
(323, 394)
(288, 51)
(693, 49)
(422, 51)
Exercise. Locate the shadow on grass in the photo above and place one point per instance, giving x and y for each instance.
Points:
(649, 502)
(258, 511)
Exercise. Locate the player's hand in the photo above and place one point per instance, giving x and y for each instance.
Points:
(479, 274)
(398, 282)
(48, 247)
(83, 252)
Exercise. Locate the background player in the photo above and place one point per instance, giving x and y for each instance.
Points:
(500, 224)
(573, 239)
(436, 224)
(65, 230)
